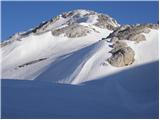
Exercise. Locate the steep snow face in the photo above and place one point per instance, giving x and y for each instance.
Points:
(35, 53)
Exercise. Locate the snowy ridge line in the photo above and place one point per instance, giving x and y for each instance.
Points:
(65, 19)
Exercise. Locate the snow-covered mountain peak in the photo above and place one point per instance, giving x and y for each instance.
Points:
(78, 46)
(76, 23)
(77, 12)
(78, 17)
(114, 69)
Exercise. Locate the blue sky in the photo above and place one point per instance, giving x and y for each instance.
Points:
(21, 16)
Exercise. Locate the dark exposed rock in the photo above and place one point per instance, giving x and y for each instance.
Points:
(117, 46)
(122, 54)
(6, 43)
(152, 26)
(104, 21)
(114, 39)
(75, 17)
(73, 31)
(72, 18)
(137, 38)
(132, 32)
(32, 62)
(15, 37)
(122, 57)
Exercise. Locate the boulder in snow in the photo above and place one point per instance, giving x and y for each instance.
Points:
(122, 57)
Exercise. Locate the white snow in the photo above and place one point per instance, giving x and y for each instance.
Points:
(145, 52)
(70, 60)
(36, 47)
(78, 17)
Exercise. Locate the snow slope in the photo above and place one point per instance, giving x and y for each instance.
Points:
(36, 47)
(89, 62)
(46, 57)
(83, 57)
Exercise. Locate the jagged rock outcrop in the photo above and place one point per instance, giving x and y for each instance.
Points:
(6, 43)
(73, 31)
(106, 22)
(15, 37)
(151, 26)
(117, 46)
(137, 38)
(122, 54)
(70, 24)
(132, 32)
(76, 17)
(122, 57)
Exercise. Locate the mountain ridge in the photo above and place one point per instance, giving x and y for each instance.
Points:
(53, 45)
(71, 14)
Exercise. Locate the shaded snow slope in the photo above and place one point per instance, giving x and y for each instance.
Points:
(128, 94)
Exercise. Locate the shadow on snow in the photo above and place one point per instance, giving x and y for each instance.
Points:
(131, 93)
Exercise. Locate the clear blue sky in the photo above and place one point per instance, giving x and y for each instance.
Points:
(21, 16)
